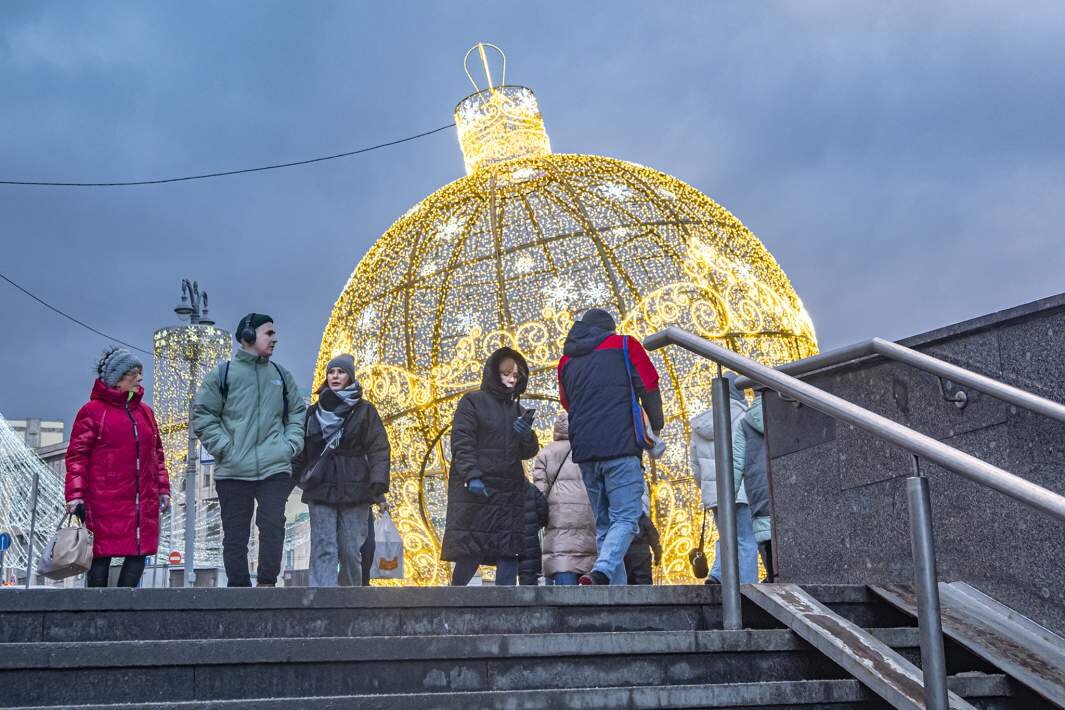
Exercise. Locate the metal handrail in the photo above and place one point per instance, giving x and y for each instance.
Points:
(933, 660)
(935, 366)
(924, 446)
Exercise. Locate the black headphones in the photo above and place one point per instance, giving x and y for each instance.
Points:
(247, 333)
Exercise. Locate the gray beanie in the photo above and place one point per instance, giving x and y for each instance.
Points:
(346, 363)
(114, 364)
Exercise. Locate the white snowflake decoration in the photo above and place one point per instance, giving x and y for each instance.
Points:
(368, 318)
(468, 321)
(450, 229)
(560, 293)
(524, 264)
(614, 191)
(523, 174)
(597, 294)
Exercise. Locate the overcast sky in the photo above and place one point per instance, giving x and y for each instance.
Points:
(904, 161)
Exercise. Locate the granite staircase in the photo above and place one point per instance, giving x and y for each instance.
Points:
(527, 647)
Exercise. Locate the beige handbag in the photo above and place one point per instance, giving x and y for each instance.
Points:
(69, 552)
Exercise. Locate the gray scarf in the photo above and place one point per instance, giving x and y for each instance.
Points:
(340, 402)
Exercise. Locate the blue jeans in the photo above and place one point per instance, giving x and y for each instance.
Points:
(746, 544)
(615, 491)
(337, 533)
(565, 579)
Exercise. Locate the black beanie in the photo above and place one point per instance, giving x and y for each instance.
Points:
(254, 322)
(600, 319)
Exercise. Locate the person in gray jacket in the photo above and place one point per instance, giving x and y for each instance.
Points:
(704, 467)
(248, 414)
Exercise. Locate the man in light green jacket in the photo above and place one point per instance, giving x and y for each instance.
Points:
(248, 414)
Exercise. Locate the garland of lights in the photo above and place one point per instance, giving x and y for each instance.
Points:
(510, 255)
(18, 466)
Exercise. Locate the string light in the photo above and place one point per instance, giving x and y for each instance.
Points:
(510, 255)
(18, 466)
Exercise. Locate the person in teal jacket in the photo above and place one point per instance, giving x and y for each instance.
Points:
(248, 414)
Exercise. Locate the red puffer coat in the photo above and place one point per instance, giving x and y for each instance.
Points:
(115, 464)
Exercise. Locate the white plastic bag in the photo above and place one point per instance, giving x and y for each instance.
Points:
(388, 553)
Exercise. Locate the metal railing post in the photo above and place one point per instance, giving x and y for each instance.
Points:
(33, 527)
(732, 614)
(926, 586)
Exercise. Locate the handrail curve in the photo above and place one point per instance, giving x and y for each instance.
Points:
(926, 447)
(935, 366)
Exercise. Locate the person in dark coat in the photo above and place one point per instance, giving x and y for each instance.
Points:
(342, 469)
(491, 435)
(646, 548)
(530, 564)
(600, 373)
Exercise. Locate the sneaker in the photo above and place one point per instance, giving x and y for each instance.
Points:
(712, 580)
(265, 584)
(593, 578)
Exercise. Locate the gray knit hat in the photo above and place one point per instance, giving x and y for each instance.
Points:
(345, 362)
(114, 364)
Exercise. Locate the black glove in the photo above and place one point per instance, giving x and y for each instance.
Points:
(522, 427)
(378, 490)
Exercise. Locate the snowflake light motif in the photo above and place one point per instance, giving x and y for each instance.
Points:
(524, 264)
(614, 191)
(523, 174)
(368, 318)
(450, 229)
(560, 293)
(597, 294)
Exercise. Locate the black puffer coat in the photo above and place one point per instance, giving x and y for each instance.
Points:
(536, 517)
(362, 458)
(485, 446)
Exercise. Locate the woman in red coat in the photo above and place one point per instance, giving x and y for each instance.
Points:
(116, 471)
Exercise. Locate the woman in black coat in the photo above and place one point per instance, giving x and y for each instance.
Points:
(490, 436)
(343, 468)
(536, 518)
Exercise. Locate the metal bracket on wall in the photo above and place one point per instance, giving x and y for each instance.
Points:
(958, 396)
(785, 398)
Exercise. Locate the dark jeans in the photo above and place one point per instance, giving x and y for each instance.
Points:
(565, 579)
(506, 572)
(128, 576)
(237, 500)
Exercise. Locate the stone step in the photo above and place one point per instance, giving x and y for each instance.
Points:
(269, 668)
(121, 615)
(991, 691)
(272, 668)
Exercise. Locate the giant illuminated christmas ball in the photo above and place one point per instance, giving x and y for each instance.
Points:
(511, 254)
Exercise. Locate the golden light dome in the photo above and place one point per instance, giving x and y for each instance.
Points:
(511, 254)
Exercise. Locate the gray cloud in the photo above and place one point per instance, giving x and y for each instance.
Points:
(903, 161)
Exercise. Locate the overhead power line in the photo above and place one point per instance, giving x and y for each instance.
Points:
(276, 166)
(69, 317)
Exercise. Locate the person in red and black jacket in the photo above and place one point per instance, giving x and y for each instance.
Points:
(595, 387)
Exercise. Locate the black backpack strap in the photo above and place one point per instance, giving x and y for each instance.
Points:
(284, 392)
(223, 385)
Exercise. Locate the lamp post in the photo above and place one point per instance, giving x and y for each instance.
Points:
(193, 306)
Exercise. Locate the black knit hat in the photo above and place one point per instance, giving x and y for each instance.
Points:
(600, 319)
(254, 322)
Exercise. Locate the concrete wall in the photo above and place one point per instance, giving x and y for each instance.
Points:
(839, 498)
